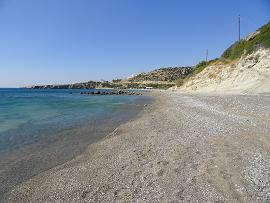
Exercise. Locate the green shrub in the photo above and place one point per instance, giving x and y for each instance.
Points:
(179, 82)
(235, 51)
(202, 65)
(246, 47)
(116, 80)
(199, 67)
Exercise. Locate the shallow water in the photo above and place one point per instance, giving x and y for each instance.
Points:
(43, 128)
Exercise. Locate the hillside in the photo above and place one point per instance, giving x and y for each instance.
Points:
(162, 74)
(243, 67)
(159, 78)
(83, 85)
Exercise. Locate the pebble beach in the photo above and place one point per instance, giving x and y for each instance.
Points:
(181, 148)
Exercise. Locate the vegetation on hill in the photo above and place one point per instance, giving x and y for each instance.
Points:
(116, 80)
(246, 46)
(162, 78)
(202, 65)
(197, 69)
(163, 74)
(261, 38)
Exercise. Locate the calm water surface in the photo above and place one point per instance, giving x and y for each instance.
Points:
(42, 128)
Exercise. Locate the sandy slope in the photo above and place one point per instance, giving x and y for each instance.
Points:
(249, 74)
(181, 148)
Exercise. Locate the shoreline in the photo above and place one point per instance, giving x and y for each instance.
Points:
(28, 162)
(182, 147)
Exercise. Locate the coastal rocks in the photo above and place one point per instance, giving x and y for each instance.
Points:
(120, 92)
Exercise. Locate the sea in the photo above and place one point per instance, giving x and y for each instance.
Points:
(42, 128)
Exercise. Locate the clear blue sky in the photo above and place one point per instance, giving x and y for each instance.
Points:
(63, 41)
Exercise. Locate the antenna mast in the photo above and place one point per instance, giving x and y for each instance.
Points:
(239, 28)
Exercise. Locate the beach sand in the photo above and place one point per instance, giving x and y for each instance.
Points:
(182, 147)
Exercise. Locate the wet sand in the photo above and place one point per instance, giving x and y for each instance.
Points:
(183, 147)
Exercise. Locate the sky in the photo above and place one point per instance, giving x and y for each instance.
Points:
(67, 41)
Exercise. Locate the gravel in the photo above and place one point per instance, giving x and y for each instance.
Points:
(183, 147)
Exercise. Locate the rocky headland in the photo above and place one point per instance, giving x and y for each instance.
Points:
(162, 78)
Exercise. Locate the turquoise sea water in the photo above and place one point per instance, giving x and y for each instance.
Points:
(43, 128)
(27, 113)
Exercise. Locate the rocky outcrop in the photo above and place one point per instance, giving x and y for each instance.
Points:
(120, 92)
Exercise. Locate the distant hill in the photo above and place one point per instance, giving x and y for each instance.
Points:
(82, 85)
(159, 78)
(163, 74)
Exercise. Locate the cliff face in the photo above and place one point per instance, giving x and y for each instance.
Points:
(243, 67)
(251, 73)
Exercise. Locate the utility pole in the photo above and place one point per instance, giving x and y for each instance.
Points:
(206, 57)
(239, 28)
